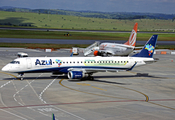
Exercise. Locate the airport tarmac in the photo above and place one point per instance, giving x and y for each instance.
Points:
(146, 92)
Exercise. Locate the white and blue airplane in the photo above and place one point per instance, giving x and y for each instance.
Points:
(82, 67)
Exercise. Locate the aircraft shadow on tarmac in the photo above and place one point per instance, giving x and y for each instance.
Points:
(95, 77)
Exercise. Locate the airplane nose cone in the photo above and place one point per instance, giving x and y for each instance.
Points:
(5, 68)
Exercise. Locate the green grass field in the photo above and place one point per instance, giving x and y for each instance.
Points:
(83, 23)
(58, 46)
(77, 36)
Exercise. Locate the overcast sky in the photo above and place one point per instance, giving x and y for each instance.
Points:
(150, 6)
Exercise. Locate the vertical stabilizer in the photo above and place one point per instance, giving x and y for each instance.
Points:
(53, 117)
(132, 38)
(148, 49)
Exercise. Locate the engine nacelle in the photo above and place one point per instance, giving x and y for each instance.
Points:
(76, 74)
(97, 53)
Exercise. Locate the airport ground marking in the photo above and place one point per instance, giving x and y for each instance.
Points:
(14, 114)
(9, 74)
(147, 98)
(10, 108)
(29, 83)
(40, 95)
(74, 103)
(85, 84)
(17, 92)
(60, 82)
(161, 105)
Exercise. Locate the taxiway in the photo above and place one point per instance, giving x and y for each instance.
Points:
(144, 93)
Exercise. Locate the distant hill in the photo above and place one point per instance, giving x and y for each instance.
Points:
(84, 20)
(93, 14)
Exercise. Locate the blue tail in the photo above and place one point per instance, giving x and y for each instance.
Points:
(53, 117)
(148, 49)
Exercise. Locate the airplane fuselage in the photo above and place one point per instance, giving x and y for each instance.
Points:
(116, 49)
(62, 64)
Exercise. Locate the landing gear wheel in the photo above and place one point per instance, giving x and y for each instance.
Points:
(21, 76)
(90, 78)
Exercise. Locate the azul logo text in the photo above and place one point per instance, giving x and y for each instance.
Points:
(43, 62)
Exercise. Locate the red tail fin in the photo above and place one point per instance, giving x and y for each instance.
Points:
(132, 38)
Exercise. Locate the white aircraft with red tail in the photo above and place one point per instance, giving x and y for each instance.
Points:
(114, 49)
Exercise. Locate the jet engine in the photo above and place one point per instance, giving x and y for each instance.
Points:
(76, 74)
(97, 53)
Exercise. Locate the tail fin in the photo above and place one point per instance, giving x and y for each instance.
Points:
(132, 38)
(148, 49)
(53, 117)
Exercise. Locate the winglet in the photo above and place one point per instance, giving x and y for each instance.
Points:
(132, 39)
(132, 67)
(53, 117)
(71, 54)
(148, 49)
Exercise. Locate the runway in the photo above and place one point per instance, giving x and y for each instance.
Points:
(67, 41)
(110, 96)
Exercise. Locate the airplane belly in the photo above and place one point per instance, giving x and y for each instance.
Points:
(124, 52)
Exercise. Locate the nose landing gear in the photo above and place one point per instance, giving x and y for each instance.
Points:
(20, 76)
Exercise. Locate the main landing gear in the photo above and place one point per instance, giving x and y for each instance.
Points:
(20, 76)
(90, 77)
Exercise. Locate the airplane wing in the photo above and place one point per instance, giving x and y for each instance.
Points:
(94, 70)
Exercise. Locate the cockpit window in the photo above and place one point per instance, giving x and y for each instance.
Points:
(15, 62)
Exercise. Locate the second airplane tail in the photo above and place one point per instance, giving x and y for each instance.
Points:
(132, 38)
(148, 49)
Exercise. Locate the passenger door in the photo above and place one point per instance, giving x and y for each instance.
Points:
(29, 63)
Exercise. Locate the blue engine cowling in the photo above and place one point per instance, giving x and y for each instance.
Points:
(76, 74)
